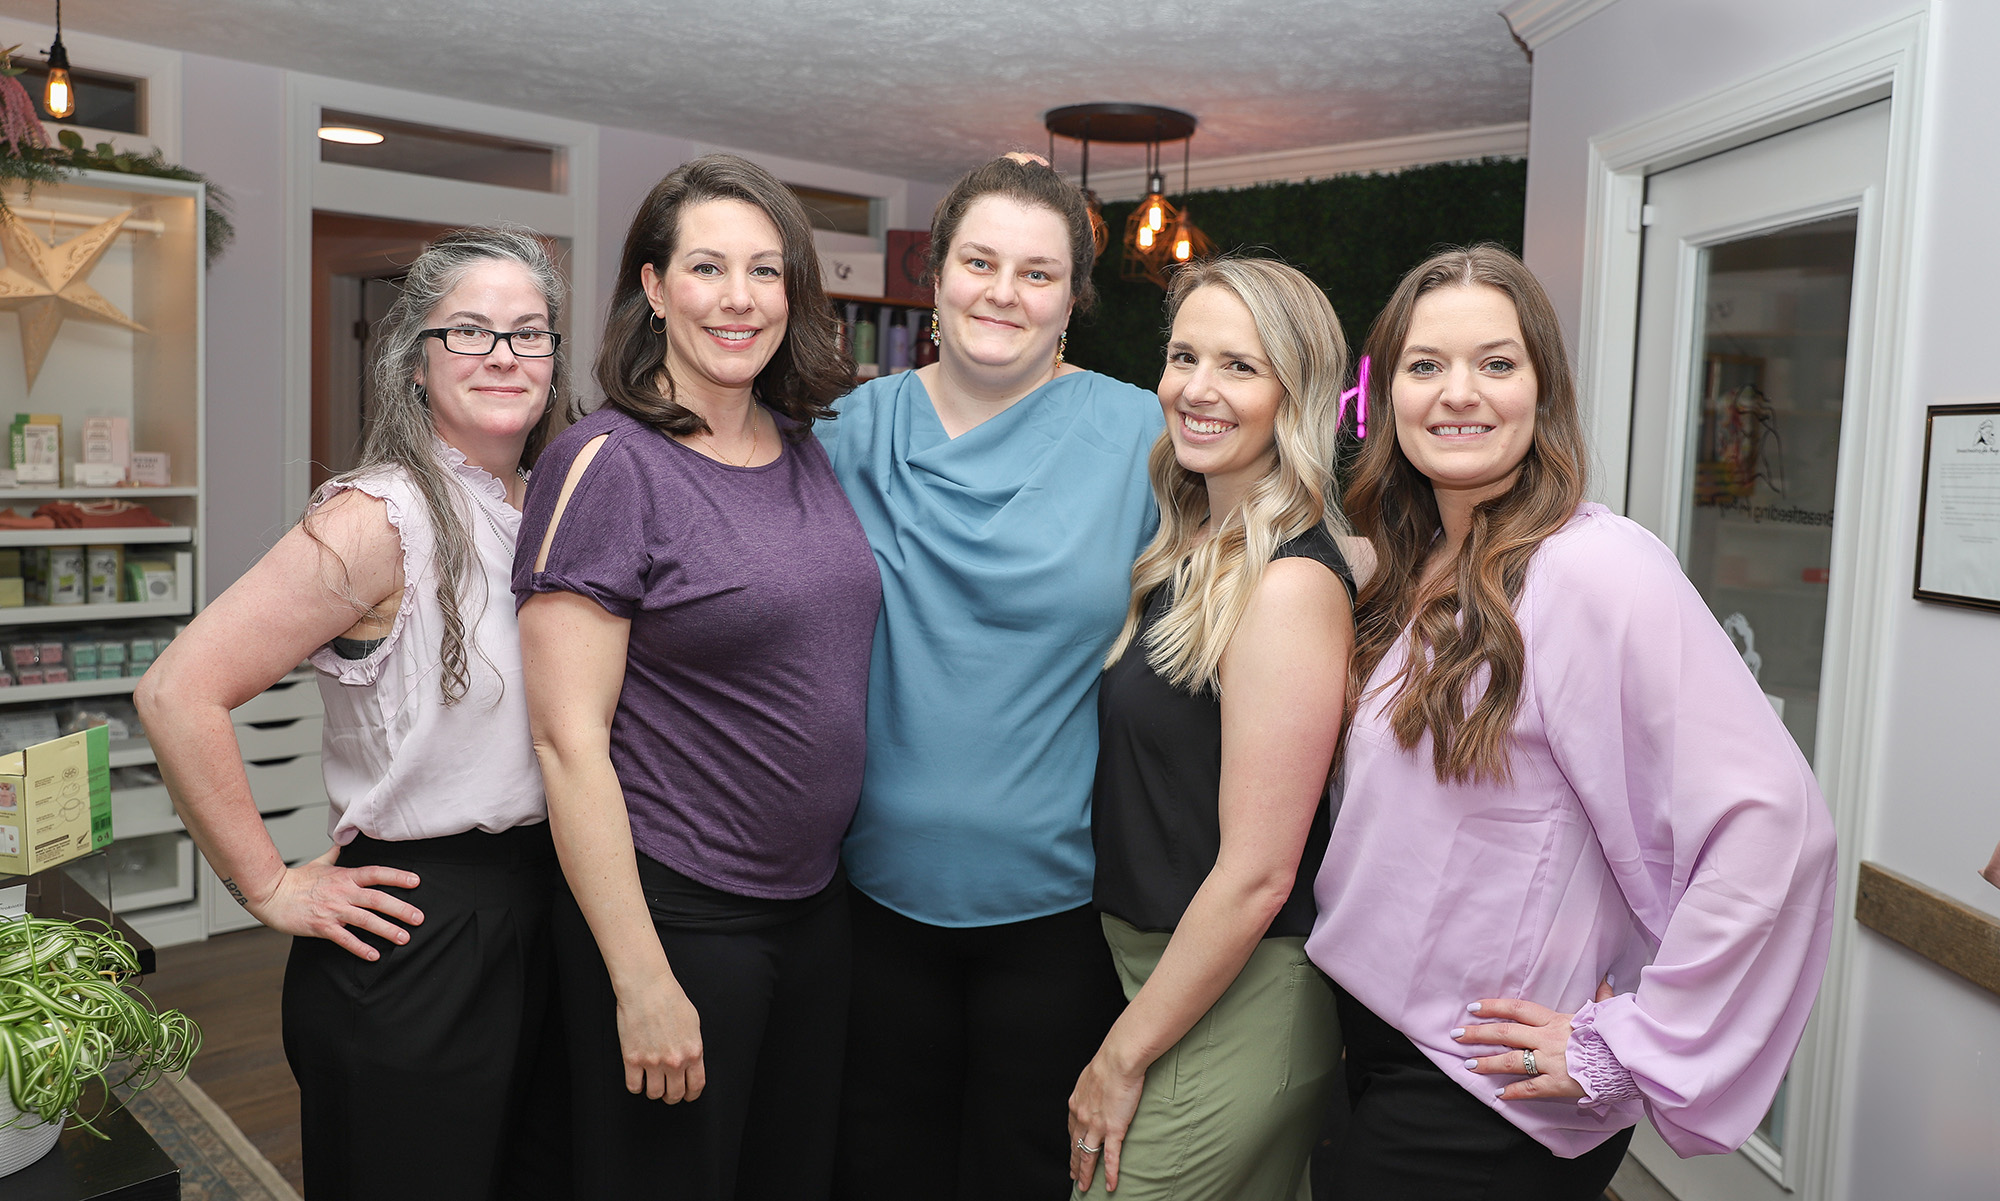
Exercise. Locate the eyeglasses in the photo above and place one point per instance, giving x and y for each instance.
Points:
(470, 339)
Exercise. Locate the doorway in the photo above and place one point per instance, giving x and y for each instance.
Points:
(358, 265)
(1747, 402)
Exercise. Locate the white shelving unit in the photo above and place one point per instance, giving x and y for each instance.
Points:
(154, 271)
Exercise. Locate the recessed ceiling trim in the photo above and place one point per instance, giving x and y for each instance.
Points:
(1319, 162)
(1536, 21)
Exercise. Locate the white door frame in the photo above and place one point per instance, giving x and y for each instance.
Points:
(311, 184)
(1884, 61)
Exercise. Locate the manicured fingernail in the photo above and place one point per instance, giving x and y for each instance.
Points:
(1610, 981)
(1501, 1093)
(1472, 1008)
(1458, 1033)
(1470, 1064)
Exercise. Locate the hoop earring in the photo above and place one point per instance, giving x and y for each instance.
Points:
(661, 328)
(937, 337)
(1062, 345)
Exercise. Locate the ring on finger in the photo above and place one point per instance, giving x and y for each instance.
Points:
(1087, 1149)
(1528, 1063)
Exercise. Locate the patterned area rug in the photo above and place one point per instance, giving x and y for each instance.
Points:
(217, 1162)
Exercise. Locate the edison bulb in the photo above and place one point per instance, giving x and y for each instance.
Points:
(1182, 249)
(1145, 237)
(60, 99)
(1156, 218)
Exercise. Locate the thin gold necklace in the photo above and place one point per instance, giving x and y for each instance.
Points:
(755, 431)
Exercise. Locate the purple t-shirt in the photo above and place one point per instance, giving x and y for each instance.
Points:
(752, 595)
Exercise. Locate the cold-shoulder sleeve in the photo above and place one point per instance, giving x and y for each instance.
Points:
(1712, 825)
(413, 531)
(602, 543)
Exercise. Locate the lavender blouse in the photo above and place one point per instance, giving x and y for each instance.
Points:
(1660, 827)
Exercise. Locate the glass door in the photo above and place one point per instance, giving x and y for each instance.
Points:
(1741, 395)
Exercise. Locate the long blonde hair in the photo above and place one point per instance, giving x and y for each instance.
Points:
(1214, 578)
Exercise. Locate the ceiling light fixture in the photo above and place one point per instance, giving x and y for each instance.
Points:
(59, 100)
(349, 135)
(1158, 235)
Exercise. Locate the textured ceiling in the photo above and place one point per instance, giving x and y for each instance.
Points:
(904, 87)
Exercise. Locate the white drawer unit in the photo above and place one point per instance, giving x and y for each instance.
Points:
(148, 872)
(140, 812)
(282, 785)
(300, 834)
(297, 695)
(280, 739)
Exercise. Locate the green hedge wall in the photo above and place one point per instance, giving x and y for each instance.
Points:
(1355, 235)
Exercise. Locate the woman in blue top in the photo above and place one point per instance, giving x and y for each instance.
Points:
(1005, 495)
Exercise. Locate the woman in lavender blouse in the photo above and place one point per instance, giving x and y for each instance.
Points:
(1580, 873)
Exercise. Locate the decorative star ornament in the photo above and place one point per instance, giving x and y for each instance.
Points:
(45, 284)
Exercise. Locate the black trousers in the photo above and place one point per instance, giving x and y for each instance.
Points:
(431, 1071)
(962, 1051)
(1415, 1132)
(773, 1007)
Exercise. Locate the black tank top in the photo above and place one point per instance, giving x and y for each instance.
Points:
(1155, 820)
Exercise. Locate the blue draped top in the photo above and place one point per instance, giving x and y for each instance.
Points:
(1006, 557)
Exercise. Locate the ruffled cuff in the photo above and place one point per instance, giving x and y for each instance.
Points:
(1605, 1081)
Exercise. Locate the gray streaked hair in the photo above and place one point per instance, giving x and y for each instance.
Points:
(400, 432)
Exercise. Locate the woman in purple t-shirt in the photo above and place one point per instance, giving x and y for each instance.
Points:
(697, 607)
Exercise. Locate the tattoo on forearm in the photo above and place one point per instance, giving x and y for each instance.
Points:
(236, 892)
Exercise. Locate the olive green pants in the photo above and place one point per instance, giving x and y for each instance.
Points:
(1231, 1111)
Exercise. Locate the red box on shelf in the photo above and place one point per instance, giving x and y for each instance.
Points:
(903, 273)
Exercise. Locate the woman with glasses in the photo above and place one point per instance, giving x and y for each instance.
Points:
(421, 969)
(696, 603)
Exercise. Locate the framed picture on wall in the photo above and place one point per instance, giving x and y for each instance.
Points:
(1958, 523)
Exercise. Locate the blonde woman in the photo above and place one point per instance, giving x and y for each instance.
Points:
(1218, 717)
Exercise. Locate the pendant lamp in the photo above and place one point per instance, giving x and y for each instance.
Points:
(59, 101)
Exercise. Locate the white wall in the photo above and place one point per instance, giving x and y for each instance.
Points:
(234, 116)
(233, 129)
(1921, 1092)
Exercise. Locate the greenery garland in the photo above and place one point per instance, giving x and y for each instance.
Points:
(69, 1017)
(1354, 235)
(34, 165)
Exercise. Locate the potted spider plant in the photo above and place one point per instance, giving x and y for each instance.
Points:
(74, 1028)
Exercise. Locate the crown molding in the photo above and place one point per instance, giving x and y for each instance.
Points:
(1319, 162)
(1536, 21)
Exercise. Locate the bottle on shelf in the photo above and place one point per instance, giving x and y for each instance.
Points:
(866, 364)
(896, 353)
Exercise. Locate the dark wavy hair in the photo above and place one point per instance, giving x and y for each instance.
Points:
(1030, 183)
(1468, 624)
(807, 373)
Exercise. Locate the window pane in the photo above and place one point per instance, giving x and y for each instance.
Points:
(445, 153)
(102, 101)
(835, 212)
(1766, 443)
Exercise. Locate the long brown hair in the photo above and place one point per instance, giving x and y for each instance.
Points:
(401, 435)
(1469, 625)
(1214, 581)
(1029, 183)
(807, 373)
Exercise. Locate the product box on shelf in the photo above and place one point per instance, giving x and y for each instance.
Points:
(35, 444)
(852, 272)
(55, 801)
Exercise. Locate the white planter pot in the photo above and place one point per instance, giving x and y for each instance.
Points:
(21, 1146)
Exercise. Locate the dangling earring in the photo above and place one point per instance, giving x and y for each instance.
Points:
(660, 328)
(1062, 344)
(937, 338)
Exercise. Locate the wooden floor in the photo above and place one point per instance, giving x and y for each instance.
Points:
(229, 985)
